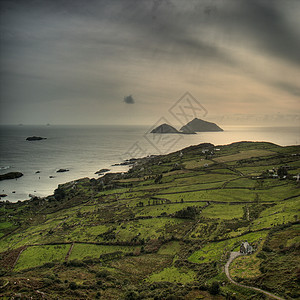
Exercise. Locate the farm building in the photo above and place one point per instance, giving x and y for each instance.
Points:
(246, 248)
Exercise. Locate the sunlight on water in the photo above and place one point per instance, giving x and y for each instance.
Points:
(83, 150)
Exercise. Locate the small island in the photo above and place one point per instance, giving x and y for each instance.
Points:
(198, 125)
(166, 128)
(35, 138)
(11, 175)
(62, 170)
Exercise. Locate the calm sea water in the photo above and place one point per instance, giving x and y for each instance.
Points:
(86, 149)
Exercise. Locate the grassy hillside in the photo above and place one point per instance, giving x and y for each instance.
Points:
(163, 230)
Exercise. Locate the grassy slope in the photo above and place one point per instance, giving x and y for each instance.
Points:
(179, 228)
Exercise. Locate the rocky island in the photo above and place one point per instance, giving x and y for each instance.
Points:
(35, 138)
(62, 170)
(166, 128)
(11, 175)
(198, 125)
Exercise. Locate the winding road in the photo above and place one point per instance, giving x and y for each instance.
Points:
(234, 255)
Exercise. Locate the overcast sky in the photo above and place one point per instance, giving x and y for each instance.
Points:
(128, 61)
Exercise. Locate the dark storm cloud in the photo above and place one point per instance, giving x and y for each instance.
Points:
(169, 23)
(129, 99)
(266, 23)
(63, 50)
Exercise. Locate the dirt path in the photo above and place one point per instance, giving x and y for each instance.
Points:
(234, 255)
(69, 252)
(24, 248)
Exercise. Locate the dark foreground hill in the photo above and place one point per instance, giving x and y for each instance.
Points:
(164, 230)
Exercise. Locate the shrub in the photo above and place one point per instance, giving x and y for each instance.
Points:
(189, 212)
(131, 295)
(73, 285)
(75, 263)
(47, 281)
(214, 288)
(102, 274)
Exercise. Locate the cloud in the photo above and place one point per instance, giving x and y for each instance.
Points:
(290, 88)
(264, 25)
(96, 50)
(129, 99)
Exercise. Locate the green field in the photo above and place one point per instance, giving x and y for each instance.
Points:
(217, 250)
(244, 155)
(223, 211)
(173, 274)
(166, 227)
(83, 251)
(39, 255)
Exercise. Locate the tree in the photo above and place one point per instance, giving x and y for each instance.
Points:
(282, 171)
(189, 212)
(59, 194)
(214, 288)
(158, 178)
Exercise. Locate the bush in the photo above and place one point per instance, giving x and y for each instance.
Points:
(47, 281)
(189, 212)
(131, 295)
(99, 282)
(102, 274)
(75, 263)
(214, 288)
(73, 285)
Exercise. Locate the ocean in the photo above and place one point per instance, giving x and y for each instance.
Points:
(83, 150)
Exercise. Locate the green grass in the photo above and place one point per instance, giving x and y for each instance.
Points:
(222, 195)
(191, 187)
(156, 210)
(149, 228)
(244, 155)
(293, 241)
(82, 251)
(217, 169)
(38, 255)
(278, 193)
(171, 248)
(205, 178)
(253, 170)
(85, 233)
(284, 212)
(5, 225)
(178, 183)
(217, 250)
(223, 211)
(173, 274)
(197, 163)
(241, 182)
(275, 268)
(247, 266)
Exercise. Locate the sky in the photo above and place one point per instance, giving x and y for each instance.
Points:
(129, 61)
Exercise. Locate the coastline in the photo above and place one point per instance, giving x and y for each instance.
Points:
(122, 168)
(84, 150)
(163, 203)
